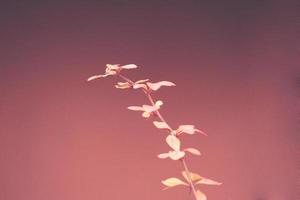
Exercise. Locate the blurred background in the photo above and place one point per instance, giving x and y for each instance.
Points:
(236, 66)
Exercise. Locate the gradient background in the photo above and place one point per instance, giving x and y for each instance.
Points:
(236, 66)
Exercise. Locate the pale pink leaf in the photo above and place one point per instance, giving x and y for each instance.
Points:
(153, 86)
(136, 108)
(123, 85)
(163, 155)
(141, 81)
(149, 108)
(156, 86)
(193, 176)
(129, 66)
(159, 103)
(193, 151)
(199, 131)
(176, 155)
(166, 83)
(173, 142)
(112, 67)
(188, 129)
(161, 125)
(96, 77)
(108, 73)
(146, 114)
(138, 85)
(207, 181)
(172, 182)
(200, 195)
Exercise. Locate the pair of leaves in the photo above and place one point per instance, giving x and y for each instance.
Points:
(144, 84)
(147, 109)
(197, 179)
(112, 70)
(188, 129)
(172, 182)
(176, 153)
(126, 85)
(153, 86)
(194, 177)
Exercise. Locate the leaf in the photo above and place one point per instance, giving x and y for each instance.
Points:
(123, 85)
(149, 108)
(166, 83)
(173, 142)
(96, 77)
(159, 103)
(188, 129)
(176, 155)
(194, 176)
(193, 151)
(163, 155)
(129, 66)
(137, 86)
(156, 86)
(200, 195)
(172, 182)
(161, 125)
(112, 67)
(110, 72)
(199, 131)
(207, 181)
(141, 81)
(146, 114)
(135, 108)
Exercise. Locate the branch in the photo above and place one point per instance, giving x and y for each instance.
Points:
(163, 120)
(172, 139)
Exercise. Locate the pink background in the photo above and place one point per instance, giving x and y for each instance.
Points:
(236, 66)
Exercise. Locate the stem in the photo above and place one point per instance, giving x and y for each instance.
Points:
(126, 79)
(189, 177)
(156, 112)
(147, 93)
